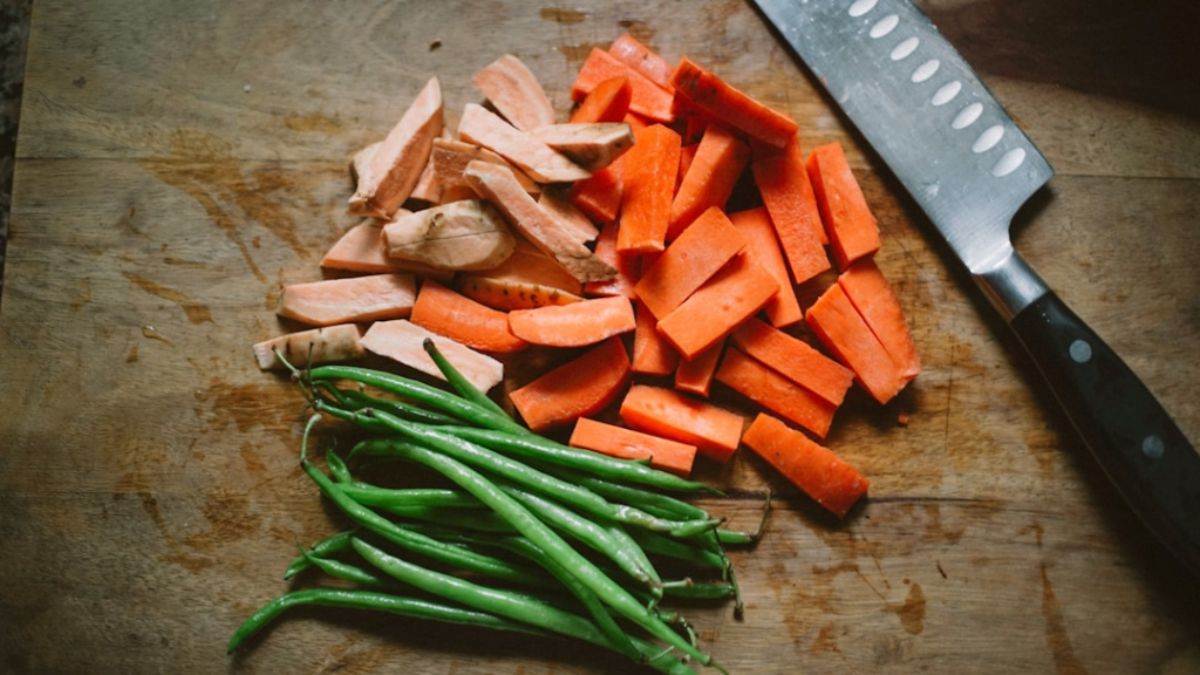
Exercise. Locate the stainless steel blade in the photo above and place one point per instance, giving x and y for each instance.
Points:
(924, 111)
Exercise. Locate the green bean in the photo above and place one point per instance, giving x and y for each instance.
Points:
(735, 537)
(543, 449)
(673, 548)
(592, 535)
(373, 495)
(463, 386)
(663, 506)
(442, 400)
(479, 521)
(545, 538)
(327, 546)
(372, 600)
(517, 472)
(622, 539)
(344, 571)
(716, 590)
(354, 399)
(341, 472)
(419, 543)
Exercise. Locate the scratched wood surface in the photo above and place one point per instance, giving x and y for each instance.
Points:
(179, 161)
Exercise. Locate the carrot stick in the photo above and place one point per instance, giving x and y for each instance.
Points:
(783, 182)
(459, 318)
(717, 98)
(651, 354)
(648, 172)
(795, 360)
(773, 391)
(816, 470)
(711, 176)
(763, 248)
(848, 337)
(600, 196)
(625, 443)
(608, 102)
(714, 431)
(573, 325)
(646, 98)
(853, 232)
(641, 58)
(628, 267)
(575, 389)
(871, 295)
(692, 259)
(636, 121)
(696, 376)
(686, 155)
(739, 290)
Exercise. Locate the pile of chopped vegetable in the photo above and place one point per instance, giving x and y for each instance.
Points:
(519, 231)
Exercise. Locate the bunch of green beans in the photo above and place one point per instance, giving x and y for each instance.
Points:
(525, 534)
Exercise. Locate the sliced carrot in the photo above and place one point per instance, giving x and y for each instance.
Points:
(459, 318)
(641, 58)
(318, 345)
(763, 248)
(628, 267)
(516, 93)
(608, 102)
(646, 98)
(394, 167)
(649, 181)
(651, 354)
(816, 470)
(722, 101)
(795, 360)
(575, 389)
(714, 431)
(600, 196)
(528, 279)
(482, 127)
(773, 391)
(839, 326)
(334, 301)
(686, 155)
(363, 249)
(689, 261)
(853, 232)
(637, 122)
(573, 325)
(719, 162)
(871, 295)
(625, 443)
(403, 341)
(786, 191)
(739, 290)
(696, 376)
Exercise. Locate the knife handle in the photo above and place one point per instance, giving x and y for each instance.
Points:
(1133, 439)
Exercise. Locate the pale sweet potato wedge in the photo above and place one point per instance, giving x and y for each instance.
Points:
(334, 301)
(592, 146)
(427, 189)
(450, 158)
(482, 127)
(319, 345)
(389, 177)
(403, 341)
(363, 250)
(463, 235)
(528, 279)
(515, 92)
(558, 204)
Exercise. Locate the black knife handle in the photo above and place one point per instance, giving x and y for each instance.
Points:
(1133, 439)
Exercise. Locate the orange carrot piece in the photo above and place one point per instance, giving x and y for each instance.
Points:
(460, 318)
(600, 196)
(773, 391)
(692, 259)
(686, 155)
(763, 248)
(575, 389)
(795, 360)
(641, 58)
(786, 191)
(816, 470)
(871, 295)
(651, 354)
(739, 290)
(839, 326)
(648, 172)
(711, 175)
(628, 267)
(646, 98)
(714, 431)
(573, 325)
(625, 443)
(515, 91)
(637, 122)
(608, 102)
(853, 232)
(696, 376)
(717, 98)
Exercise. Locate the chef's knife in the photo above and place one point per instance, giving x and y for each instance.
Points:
(970, 168)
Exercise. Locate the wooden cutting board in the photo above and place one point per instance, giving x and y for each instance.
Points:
(178, 162)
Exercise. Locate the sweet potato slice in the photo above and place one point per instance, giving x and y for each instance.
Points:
(319, 345)
(450, 158)
(334, 301)
(462, 235)
(545, 165)
(392, 172)
(591, 146)
(515, 92)
(558, 204)
(362, 249)
(403, 341)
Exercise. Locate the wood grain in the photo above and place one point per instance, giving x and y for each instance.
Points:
(148, 486)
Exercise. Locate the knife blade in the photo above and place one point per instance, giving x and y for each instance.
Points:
(970, 168)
